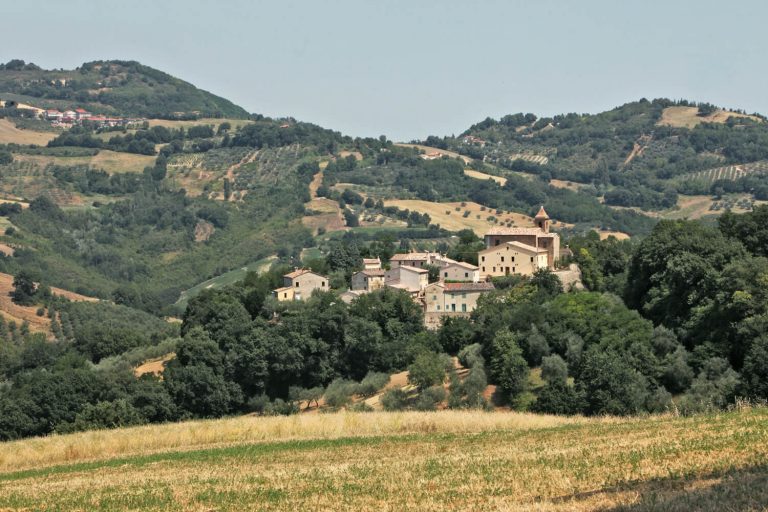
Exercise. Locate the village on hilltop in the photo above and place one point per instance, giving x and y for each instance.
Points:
(71, 117)
(508, 251)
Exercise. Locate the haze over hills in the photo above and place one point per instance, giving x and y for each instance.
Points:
(126, 88)
(149, 230)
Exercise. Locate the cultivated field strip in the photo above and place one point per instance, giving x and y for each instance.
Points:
(727, 172)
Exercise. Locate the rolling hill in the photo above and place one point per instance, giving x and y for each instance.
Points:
(125, 88)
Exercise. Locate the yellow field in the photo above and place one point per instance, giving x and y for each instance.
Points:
(168, 123)
(483, 176)
(439, 461)
(686, 117)
(428, 149)
(616, 234)
(110, 161)
(10, 134)
(449, 218)
(570, 185)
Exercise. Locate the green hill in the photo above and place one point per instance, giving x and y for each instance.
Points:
(125, 88)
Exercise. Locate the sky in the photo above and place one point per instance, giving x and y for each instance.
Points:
(408, 69)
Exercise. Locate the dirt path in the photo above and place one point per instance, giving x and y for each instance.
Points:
(317, 181)
(246, 160)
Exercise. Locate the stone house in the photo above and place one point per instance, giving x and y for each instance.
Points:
(511, 258)
(299, 285)
(538, 237)
(368, 280)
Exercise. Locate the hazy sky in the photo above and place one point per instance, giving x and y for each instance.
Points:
(413, 68)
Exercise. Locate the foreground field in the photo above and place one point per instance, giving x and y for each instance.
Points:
(399, 461)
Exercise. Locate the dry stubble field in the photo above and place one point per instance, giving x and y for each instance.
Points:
(400, 461)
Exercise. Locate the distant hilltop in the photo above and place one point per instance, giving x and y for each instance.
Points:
(112, 88)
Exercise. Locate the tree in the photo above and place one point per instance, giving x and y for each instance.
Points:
(554, 369)
(5, 157)
(507, 365)
(755, 370)
(428, 369)
(24, 289)
(455, 333)
(610, 385)
(558, 397)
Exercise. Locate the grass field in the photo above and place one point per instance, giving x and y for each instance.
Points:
(110, 161)
(483, 176)
(687, 117)
(224, 280)
(429, 149)
(169, 123)
(450, 460)
(447, 215)
(10, 134)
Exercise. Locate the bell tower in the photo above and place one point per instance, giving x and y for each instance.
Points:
(542, 220)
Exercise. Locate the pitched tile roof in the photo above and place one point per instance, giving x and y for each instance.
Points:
(468, 287)
(300, 272)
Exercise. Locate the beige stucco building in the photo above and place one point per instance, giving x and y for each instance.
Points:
(538, 237)
(299, 285)
(460, 271)
(511, 258)
(404, 277)
(443, 299)
(368, 280)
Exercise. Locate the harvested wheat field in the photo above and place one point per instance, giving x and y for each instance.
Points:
(9, 134)
(440, 461)
(429, 149)
(483, 176)
(451, 216)
(687, 117)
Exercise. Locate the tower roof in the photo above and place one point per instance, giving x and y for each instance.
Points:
(542, 214)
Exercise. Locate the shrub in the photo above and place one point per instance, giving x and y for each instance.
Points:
(430, 398)
(471, 356)
(394, 400)
(372, 383)
(339, 392)
(428, 369)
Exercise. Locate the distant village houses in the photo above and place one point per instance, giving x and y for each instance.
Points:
(70, 117)
(459, 285)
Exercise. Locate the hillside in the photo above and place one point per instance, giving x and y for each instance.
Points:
(643, 154)
(125, 88)
(436, 461)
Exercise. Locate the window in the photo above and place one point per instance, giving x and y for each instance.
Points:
(507, 271)
(453, 307)
(322, 284)
(482, 258)
(513, 259)
(434, 297)
(531, 259)
(494, 269)
(285, 295)
(463, 308)
(497, 242)
(483, 269)
(438, 307)
(466, 274)
(502, 259)
(445, 274)
(297, 284)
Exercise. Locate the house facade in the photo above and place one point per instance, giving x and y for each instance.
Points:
(538, 237)
(410, 279)
(443, 299)
(299, 285)
(460, 271)
(368, 280)
(511, 258)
